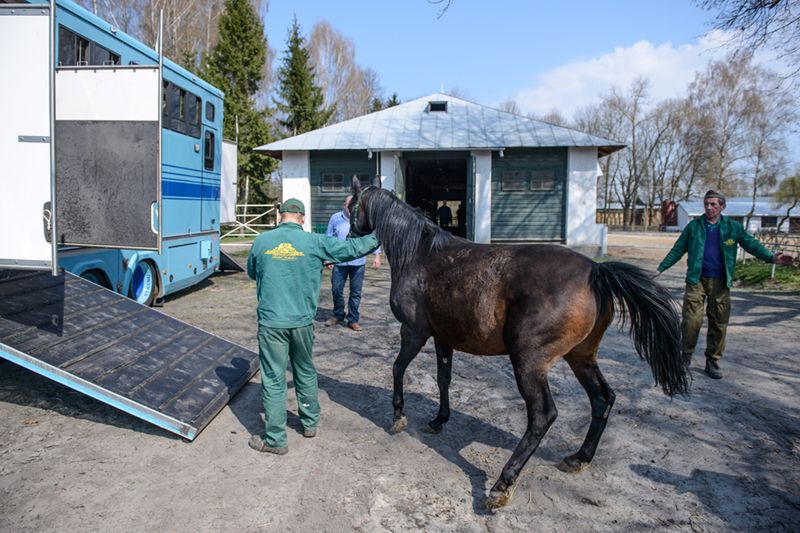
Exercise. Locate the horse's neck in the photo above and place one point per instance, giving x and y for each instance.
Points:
(395, 231)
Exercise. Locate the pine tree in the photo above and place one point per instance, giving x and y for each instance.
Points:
(236, 66)
(301, 100)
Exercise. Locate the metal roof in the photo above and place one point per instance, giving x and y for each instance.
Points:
(738, 207)
(464, 126)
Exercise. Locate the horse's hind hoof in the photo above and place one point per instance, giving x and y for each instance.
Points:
(399, 425)
(498, 498)
(432, 430)
(571, 465)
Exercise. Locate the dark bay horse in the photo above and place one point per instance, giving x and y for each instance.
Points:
(535, 302)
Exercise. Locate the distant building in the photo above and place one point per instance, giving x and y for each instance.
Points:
(516, 178)
(766, 215)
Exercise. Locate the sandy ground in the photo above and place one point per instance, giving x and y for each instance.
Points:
(725, 459)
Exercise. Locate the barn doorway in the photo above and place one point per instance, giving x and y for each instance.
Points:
(436, 182)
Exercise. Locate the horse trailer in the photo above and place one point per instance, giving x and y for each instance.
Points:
(113, 171)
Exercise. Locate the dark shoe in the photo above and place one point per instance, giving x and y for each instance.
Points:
(355, 326)
(258, 444)
(309, 433)
(332, 321)
(712, 369)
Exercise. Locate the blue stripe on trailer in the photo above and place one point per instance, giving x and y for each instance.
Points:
(180, 189)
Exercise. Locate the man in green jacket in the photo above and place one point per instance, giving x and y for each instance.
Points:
(287, 266)
(712, 242)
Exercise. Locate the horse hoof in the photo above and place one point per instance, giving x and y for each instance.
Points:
(498, 498)
(572, 466)
(399, 425)
(432, 430)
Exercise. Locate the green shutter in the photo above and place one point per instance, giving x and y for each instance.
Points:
(345, 162)
(529, 215)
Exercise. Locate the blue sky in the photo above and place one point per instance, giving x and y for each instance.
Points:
(544, 54)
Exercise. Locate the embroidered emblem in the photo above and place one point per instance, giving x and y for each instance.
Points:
(284, 252)
(730, 242)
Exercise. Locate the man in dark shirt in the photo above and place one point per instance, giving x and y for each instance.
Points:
(711, 242)
(445, 215)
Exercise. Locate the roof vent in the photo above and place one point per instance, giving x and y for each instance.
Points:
(440, 106)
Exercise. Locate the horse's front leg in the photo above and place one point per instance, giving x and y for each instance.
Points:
(444, 372)
(410, 345)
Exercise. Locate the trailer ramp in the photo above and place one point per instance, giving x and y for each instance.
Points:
(127, 355)
(227, 262)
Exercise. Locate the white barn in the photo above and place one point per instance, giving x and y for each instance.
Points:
(766, 215)
(514, 179)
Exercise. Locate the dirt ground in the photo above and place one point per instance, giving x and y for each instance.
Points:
(725, 459)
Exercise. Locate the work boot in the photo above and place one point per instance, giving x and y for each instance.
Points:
(712, 369)
(355, 326)
(258, 444)
(332, 321)
(309, 433)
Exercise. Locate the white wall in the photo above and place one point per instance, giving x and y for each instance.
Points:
(388, 161)
(483, 196)
(582, 230)
(295, 172)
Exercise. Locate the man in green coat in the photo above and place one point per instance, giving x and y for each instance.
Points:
(287, 266)
(712, 242)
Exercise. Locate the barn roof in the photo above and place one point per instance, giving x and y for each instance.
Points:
(738, 207)
(418, 125)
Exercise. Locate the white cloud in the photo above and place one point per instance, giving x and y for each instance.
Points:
(669, 68)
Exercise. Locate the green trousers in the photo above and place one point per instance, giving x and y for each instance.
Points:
(276, 348)
(715, 296)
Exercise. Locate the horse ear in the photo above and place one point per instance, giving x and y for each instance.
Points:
(355, 186)
(376, 182)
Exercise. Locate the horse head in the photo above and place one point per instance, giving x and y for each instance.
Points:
(360, 224)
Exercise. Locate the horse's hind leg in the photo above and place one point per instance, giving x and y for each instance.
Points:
(444, 372)
(410, 345)
(601, 398)
(542, 412)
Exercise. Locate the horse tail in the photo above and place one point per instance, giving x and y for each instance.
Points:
(654, 320)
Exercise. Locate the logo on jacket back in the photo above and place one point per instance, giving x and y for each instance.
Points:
(284, 252)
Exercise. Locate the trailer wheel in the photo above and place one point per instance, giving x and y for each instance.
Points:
(97, 277)
(144, 286)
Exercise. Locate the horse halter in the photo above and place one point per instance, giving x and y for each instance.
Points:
(354, 229)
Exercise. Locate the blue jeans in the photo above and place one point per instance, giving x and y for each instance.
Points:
(338, 277)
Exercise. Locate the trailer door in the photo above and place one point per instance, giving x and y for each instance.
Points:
(26, 230)
(107, 156)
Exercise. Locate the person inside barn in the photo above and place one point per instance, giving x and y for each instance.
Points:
(445, 215)
(711, 242)
(287, 266)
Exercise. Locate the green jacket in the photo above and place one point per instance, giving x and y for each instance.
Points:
(287, 266)
(693, 241)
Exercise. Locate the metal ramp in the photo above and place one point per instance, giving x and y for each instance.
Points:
(129, 356)
(226, 262)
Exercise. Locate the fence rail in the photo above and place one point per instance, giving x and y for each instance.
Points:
(788, 243)
(252, 219)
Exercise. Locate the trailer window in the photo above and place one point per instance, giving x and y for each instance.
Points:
(103, 56)
(180, 110)
(208, 151)
(76, 50)
(210, 111)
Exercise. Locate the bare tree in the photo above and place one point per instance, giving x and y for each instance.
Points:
(773, 24)
(345, 85)
(788, 195)
(509, 105)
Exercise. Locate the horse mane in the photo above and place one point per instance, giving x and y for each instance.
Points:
(405, 233)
